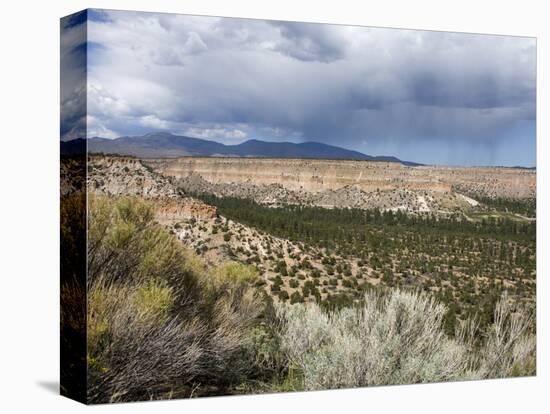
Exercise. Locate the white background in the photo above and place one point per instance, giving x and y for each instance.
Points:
(29, 264)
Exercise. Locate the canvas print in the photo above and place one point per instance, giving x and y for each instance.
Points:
(255, 206)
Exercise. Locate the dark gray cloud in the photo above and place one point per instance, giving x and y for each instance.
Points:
(310, 41)
(73, 76)
(370, 89)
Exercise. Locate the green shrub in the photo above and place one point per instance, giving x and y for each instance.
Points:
(154, 299)
(158, 321)
(235, 273)
(296, 297)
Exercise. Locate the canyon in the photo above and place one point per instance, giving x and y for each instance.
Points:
(318, 175)
(348, 184)
(325, 266)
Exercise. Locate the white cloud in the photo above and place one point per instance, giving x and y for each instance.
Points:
(102, 102)
(227, 134)
(194, 44)
(97, 129)
(151, 121)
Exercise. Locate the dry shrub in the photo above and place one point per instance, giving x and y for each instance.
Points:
(156, 323)
(510, 347)
(396, 339)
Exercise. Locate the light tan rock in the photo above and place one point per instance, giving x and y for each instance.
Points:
(320, 175)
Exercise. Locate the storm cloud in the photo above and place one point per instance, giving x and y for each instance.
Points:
(426, 96)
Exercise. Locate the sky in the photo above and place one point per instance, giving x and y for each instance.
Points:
(425, 96)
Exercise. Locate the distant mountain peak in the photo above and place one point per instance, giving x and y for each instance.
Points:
(164, 144)
(159, 133)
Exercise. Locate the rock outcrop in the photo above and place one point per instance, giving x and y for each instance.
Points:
(315, 176)
(126, 176)
(167, 210)
(349, 184)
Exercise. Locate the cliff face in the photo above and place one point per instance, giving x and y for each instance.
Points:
(167, 210)
(307, 175)
(321, 175)
(129, 177)
(323, 183)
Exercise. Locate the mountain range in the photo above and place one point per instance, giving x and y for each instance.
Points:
(167, 145)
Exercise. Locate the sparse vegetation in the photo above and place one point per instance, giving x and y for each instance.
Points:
(161, 323)
(466, 264)
(286, 298)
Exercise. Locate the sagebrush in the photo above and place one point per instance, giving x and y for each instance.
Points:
(399, 338)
